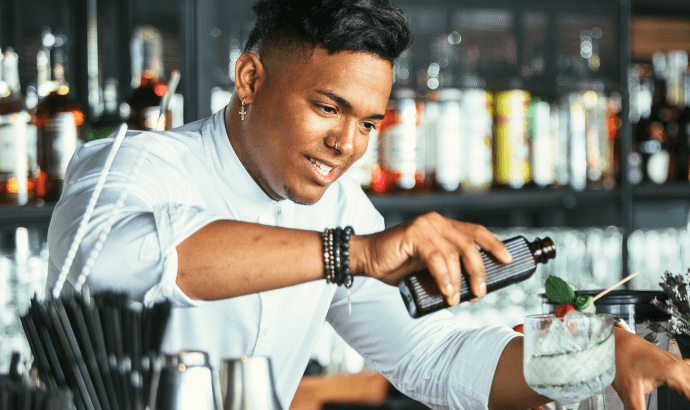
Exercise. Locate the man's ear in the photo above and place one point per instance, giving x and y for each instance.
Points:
(249, 76)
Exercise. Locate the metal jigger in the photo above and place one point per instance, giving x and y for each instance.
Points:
(247, 384)
(184, 381)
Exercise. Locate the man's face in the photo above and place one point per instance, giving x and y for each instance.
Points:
(297, 118)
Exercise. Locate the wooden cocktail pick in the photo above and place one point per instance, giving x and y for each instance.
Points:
(609, 289)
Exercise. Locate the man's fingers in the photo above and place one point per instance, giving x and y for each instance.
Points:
(436, 263)
(678, 378)
(487, 241)
(635, 399)
(476, 273)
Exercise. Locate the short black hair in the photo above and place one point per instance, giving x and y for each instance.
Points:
(370, 26)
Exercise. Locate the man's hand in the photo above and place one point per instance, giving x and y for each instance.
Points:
(430, 241)
(642, 366)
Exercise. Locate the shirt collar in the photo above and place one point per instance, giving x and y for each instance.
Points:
(246, 200)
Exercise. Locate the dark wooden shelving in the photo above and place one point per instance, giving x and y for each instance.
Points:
(674, 190)
(29, 215)
(527, 198)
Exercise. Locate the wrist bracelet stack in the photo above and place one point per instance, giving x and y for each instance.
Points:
(336, 256)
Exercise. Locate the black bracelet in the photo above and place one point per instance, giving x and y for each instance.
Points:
(336, 256)
(336, 253)
(326, 257)
(345, 256)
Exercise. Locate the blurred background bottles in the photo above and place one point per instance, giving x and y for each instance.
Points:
(142, 108)
(58, 117)
(14, 143)
(660, 117)
(444, 131)
(110, 119)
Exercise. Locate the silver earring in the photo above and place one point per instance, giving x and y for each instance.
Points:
(336, 146)
(242, 111)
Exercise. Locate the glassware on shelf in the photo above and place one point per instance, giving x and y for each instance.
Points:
(569, 359)
(23, 274)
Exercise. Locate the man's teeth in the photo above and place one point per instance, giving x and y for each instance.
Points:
(322, 168)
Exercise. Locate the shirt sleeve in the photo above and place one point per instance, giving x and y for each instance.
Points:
(139, 255)
(433, 359)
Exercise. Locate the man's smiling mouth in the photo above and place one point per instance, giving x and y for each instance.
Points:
(321, 167)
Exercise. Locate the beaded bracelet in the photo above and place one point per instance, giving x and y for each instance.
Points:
(336, 257)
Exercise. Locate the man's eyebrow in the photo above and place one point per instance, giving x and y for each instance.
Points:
(340, 100)
(335, 97)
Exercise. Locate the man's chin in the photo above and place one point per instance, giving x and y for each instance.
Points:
(305, 198)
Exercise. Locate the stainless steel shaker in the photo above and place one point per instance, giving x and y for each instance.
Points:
(247, 384)
(185, 381)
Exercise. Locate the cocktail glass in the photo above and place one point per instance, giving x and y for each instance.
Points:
(569, 359)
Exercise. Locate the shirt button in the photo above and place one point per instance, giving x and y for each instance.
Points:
(167, 290)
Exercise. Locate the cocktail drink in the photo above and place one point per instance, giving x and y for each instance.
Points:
(569, 359)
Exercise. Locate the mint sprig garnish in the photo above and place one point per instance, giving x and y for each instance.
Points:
(559, 291)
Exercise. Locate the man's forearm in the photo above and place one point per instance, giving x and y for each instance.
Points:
(509, 389)
(230, 258)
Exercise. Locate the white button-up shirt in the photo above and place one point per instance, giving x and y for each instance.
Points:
(191, 177)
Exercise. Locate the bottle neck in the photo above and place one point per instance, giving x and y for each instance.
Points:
(542, 249)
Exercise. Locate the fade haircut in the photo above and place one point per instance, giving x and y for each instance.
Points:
(291, 29)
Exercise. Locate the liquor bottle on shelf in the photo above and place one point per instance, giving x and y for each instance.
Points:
(400, 141)
(599, 145)
(613, 132)
(511, 141)
(14, 119)
(31, 101)
(658, 135)
(577, 131)
(401, 159)
(421, 294)
(110, 119)
(367, 166)
(560, 120)
(541, 142)
(443, 119)
(683, 148)
(58, 118)
(444, 133)
(477, 111)
(147, 73)
(641, 85)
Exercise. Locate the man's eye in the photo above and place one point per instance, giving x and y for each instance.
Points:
(326, 109)
(369, 126)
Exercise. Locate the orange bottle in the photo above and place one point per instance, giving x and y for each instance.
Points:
(401, 147)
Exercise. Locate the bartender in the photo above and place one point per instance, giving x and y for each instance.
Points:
(234, 219)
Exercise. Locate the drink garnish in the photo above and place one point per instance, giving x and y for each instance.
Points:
(563, 309)
(559, 291)
(585, 303)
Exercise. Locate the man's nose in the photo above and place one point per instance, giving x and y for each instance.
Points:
(347, 137)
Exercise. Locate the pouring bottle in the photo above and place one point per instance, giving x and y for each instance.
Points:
(422, 296)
